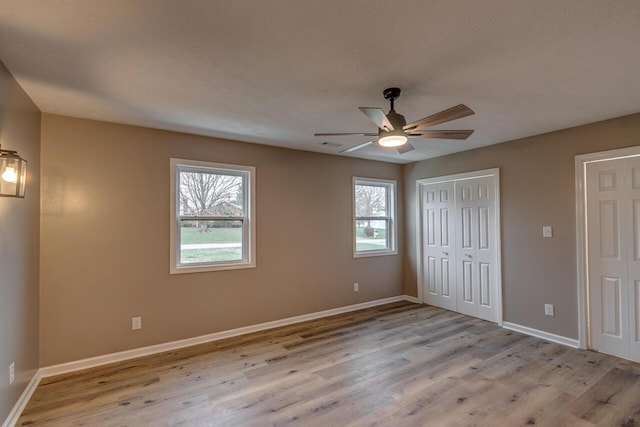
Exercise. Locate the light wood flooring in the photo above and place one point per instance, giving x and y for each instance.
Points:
(401, 364)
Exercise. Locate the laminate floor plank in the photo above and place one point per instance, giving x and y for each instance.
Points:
(401, 364)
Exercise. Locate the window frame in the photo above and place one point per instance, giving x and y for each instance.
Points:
(248, 220)
(391, 186)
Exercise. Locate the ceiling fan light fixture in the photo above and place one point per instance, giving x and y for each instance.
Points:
(392, 140)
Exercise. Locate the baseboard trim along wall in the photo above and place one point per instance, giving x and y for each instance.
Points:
(570, 342)
(15, 413)
(411, 299)
(93, 362)
(174, 345)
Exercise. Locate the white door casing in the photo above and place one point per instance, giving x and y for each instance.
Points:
(438, 240)
(473, 252)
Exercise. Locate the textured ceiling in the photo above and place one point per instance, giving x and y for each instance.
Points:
(275, 72)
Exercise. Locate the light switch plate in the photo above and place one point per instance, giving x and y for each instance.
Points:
(548, 310)
(547, 231)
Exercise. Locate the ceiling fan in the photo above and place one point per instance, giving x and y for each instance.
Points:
(393, 130)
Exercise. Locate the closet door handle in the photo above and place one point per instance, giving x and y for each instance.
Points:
(468, 255)
(445, 253)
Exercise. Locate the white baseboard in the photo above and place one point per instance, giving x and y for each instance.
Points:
(570, 342)
(92, 362)
(15, 413)
(411, 299)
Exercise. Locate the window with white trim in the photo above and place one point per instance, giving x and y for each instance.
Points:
(212, 216)
(374, 225)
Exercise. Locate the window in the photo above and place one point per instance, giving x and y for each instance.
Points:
(374, 217)
(212, 216)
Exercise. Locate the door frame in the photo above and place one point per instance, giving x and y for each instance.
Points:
(497, 229)
(582, 273)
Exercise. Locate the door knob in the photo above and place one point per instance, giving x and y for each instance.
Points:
(468, 256)
(445, 253)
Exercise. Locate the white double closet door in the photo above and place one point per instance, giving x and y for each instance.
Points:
(613, 251)
(459, 246)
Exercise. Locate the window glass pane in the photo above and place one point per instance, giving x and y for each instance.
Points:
(372, 235)
(371, 200)
(210, 241)
(210, 194)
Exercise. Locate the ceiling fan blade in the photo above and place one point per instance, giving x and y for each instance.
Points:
(441, 134)
(454, 113)
(346, 133)
(357, 147)
(405, 148)
(377, 116)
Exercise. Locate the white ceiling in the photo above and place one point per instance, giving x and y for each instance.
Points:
(274, 72)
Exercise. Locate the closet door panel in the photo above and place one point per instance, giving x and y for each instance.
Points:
(476, 251)
(438, 252)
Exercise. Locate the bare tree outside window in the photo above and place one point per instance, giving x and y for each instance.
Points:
(207, 194)
(371, 200)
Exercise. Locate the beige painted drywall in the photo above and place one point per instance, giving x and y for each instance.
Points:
(19, 245)
(537, 188)
(105, 239)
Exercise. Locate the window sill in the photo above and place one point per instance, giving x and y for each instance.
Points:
(373, 253)
(208, 268)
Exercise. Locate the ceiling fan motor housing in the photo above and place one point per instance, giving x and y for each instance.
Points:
(397, 121)
(395, 137)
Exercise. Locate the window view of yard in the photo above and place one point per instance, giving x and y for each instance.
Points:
(371, 237)
(210, 241)
(372, 216)
(210, 194)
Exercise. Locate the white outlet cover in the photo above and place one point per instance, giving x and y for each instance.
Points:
(12, 373)
(356, 287)
(136, 323)
(547, 231)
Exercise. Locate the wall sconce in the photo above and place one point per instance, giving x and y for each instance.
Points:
(13, 174)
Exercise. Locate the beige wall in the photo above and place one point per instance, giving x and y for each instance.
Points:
(19, 245)
(105, 240)
(537, 188)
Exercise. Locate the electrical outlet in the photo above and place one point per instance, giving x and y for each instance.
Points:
(356, 287)
(548, 310)
(12, 373)
(136, 323)
(547, 231)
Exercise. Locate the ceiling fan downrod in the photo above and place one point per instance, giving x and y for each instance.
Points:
(391, 94)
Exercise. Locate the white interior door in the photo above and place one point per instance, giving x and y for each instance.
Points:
(606, 214)
(438, 251)
(613, 229)
(632, 169)
(476, 250)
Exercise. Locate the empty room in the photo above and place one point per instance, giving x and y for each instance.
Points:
(320, 213)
